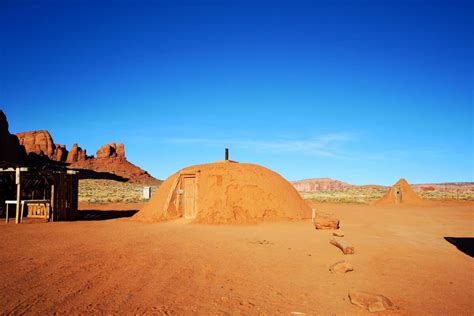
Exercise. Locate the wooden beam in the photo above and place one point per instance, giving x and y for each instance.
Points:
(170, 194)
(18, 195)
(53, 207)
(346, 248)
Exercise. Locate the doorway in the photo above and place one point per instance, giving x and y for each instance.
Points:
(189, 197)
(398, 195)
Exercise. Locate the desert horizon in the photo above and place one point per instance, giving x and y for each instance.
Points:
(199, 157)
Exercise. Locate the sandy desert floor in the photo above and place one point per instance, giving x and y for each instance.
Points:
(104, 265)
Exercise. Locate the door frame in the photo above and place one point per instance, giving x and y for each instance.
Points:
(182, 179)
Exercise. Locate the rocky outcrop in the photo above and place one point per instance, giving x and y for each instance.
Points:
(38, 142)
(111, 151)
(117, 166)
(60, 153)
(319, 184)
(37, 148)
(110, 163)
(41, 143)
(76, 154)
(10, 148)
(120, 150)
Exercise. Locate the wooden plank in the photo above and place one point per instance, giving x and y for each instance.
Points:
(22, 210)
(346, 247)
(170, 194)
(189, 185)
(53, 204)
(18, 195)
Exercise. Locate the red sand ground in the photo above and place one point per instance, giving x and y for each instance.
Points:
(124, 266)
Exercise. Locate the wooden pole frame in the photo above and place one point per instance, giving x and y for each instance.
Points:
(53, 206)
(18, 195)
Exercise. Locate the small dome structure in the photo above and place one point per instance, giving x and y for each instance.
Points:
(401, 193)
(225, 192)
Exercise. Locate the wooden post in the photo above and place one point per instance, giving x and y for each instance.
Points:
(346, 248)
(51, 215)
(18, 195)
(22, 210)
(227, 154)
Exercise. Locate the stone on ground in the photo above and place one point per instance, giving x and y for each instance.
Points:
(325, 222)
(371, 302)
(341, 267)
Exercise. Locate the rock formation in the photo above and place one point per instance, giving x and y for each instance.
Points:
(38, 148)
(41, 143)
(10, 148)
(111, 151)
(320, 184)
(76, 154)
(60, 153)
(38, 142)
(117, 167)
(110, 160)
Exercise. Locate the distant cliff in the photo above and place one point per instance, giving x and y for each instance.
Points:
(37, 148)
(10, 149)
(320, 184)
(110, 161)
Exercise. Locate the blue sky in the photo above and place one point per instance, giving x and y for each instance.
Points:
(360, 91)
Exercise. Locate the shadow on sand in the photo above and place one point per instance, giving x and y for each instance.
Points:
(97, 215)
(464, 244)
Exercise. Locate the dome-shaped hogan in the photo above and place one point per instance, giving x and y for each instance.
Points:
(225, 192)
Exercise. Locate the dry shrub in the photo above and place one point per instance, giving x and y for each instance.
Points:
(109, 191)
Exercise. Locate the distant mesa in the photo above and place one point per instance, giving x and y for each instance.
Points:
(455, 187)
(320, 184)
(401, 193)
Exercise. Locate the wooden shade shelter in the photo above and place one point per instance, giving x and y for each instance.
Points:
(48, 194)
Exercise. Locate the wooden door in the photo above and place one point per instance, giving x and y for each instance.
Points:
(398, 195)
(189, 187)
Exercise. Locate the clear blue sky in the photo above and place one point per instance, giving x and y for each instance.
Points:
(361, 91)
